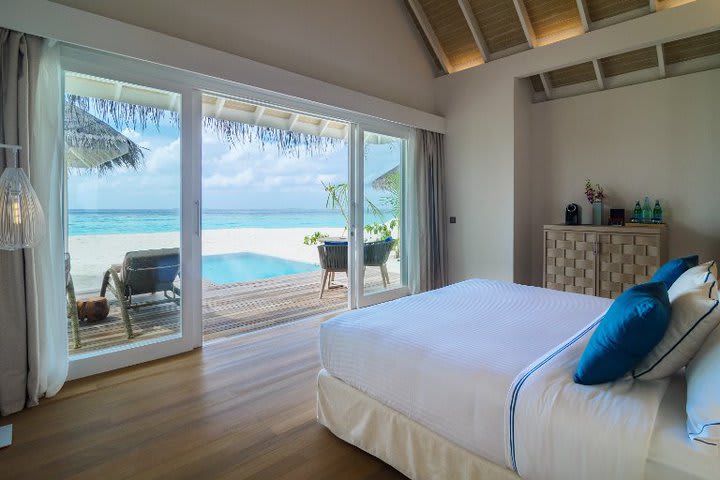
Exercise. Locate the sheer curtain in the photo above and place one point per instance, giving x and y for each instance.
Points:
(427, 231)
(33, 325)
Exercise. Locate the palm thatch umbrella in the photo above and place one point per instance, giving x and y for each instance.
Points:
(388, 180)
(92, 144)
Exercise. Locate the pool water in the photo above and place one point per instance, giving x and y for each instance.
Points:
(244, 267)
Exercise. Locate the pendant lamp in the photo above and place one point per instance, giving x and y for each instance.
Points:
(22, 222)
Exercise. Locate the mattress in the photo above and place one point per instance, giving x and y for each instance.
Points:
(446, 358)
(672, 454)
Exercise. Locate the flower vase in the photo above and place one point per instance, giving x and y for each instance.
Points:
(597, 207)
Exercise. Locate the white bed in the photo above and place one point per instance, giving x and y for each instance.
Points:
(436, 371)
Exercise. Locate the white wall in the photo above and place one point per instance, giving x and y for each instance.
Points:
(370, 46)
(487, 138)
(660, 139)
(523, 178)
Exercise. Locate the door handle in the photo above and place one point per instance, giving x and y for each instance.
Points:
(197, 217)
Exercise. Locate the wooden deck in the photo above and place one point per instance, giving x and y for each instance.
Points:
(228, 310)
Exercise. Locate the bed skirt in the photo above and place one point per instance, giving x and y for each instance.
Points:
(395, 439)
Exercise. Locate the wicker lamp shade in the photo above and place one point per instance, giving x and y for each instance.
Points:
(22, 222)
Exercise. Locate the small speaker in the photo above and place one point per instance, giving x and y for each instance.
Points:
(572, 214)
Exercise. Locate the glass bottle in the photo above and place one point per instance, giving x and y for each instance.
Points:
(637, 213)
(646, 211)
(657, 213)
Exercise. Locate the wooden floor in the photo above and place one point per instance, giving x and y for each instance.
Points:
(228, 310)
(243, 408)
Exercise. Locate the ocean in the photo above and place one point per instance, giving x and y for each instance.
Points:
(105, 222)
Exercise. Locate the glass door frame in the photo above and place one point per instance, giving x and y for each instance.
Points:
(358, 297)
(141, 73)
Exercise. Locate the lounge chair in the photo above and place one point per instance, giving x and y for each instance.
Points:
(72, 312)
(376, 254)
(143, 272)
(333, 259)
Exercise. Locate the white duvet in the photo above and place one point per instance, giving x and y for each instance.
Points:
(447, 358)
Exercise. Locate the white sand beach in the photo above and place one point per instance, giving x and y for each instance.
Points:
(93, 254)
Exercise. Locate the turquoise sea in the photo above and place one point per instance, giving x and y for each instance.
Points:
(104, 222)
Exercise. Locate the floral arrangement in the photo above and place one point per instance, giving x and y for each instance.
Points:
(593, 194)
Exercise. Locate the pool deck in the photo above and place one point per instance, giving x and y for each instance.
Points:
(227, 310)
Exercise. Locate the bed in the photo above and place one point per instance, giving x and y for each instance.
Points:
(474, 381)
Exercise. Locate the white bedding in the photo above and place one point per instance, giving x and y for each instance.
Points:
(447, 358)
(558, 429)
(672, 454)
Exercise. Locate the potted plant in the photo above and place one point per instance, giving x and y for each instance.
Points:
(595, 195)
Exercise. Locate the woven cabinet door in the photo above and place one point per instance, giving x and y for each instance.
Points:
(626, 260)
(570, 261)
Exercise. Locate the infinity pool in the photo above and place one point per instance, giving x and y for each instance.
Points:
(244, 267)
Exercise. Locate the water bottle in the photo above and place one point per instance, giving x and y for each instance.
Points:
(657, 213)
(637, 213)
(646, 211)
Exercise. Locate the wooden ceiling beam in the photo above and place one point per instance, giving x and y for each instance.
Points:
(662, 68)
(653, 6)
(430, 35)
(475, 29)
(584, 15)
(546, 85)
(599, 74)
(525, 23)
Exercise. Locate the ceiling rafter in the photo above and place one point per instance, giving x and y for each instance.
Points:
(430, 35)
(662, 68)
(259, 112)
(525, 23)
(546, 85)
(475, 29)
(599, 74)
(653, 6)
(584, 15)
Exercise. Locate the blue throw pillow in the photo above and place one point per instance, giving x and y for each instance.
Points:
(672, 270)
(632, 326)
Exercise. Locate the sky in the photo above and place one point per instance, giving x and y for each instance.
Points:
(241, 177)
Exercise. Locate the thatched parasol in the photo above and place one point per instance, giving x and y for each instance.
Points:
(387, 180)
(92, 144)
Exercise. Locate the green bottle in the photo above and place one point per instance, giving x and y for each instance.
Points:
(657, 213)
(637, 213)
(646, 211)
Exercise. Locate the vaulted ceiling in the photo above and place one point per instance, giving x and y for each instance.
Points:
(685, 55)
(461, 34)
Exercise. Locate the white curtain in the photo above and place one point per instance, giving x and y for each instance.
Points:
(47, 339)
(33, 324)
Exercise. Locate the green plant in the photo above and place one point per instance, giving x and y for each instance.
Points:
(381, 230)
(314, 239)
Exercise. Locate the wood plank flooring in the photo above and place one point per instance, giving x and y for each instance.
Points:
(243, 408)
(229, 309)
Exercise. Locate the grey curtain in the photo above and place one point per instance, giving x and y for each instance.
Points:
(24, 319)
(432, 229)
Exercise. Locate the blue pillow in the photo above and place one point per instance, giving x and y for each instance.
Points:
(632, 326)
(672, 270)
(335, 242)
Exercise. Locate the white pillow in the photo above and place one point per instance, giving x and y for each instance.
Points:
(695, 313)
(703, 392)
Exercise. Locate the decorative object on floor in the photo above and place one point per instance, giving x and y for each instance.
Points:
(595, 195)
(617, 217)
(5, 436)
(572, 214)
(93, 309)
(637, 213)
(657, 216)
(22, 222)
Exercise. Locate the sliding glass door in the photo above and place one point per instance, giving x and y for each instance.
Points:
(379, 253)
(130, 219)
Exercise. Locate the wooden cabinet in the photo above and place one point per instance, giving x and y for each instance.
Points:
(603, 261)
